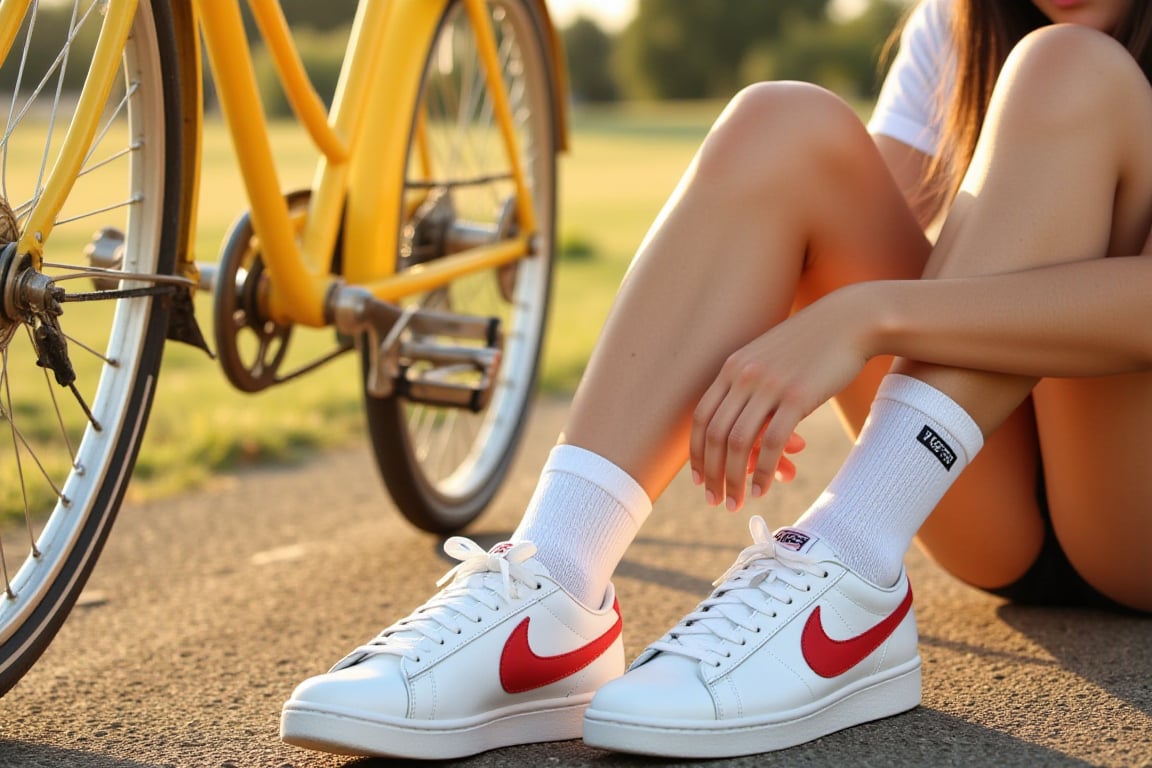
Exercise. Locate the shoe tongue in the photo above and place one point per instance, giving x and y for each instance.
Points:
(804, 543)
(531, 563)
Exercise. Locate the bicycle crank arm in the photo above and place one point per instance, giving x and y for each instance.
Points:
(417, 353)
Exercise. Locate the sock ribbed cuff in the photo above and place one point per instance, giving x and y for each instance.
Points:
(613, 480)
(937, 407)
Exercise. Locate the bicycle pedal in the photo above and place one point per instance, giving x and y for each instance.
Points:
(424, 355)
(446, 375)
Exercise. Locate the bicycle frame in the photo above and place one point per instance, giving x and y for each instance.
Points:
(358, 185)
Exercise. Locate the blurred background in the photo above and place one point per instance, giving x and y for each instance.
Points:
(647, 77)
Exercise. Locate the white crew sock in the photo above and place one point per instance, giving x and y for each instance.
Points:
(582, 517)
(916, 441)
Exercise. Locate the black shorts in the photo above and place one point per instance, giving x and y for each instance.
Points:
(1052, 580)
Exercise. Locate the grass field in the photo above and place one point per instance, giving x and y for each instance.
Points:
(622, 165)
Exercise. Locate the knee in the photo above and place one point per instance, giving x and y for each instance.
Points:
(777, 126)
(1066, 74)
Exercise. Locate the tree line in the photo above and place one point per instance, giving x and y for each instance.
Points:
(672, 49)
(698, 49)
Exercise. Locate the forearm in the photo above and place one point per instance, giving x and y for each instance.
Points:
(1090, 318)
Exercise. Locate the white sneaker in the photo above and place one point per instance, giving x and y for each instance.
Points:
(501, 656)
(790, 647)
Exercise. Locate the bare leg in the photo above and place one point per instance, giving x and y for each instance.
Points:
(787, 199)
(1053, 182)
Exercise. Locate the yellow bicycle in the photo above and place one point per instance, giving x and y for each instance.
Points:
(424, 242)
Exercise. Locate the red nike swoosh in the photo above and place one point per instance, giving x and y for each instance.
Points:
(522, 669)
(829, 658)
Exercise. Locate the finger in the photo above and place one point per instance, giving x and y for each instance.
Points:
(716, 436)
(776, 436)
(753, 457)
(701, 418)
(795, 444)
(744, 435)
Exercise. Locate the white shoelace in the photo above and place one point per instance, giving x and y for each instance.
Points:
(481, 580)
(748, 593)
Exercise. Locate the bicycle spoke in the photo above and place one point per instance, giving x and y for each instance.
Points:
(56, 407)
(36, 460)
(77, 343)
(110, 159)
(96, 425)
(8, 593)
(97, 211)
(11, 417)
(103, 130)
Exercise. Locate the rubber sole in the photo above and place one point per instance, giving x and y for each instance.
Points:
(873, 700)
(351, 733)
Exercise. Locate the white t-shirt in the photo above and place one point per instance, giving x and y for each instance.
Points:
(921, 72)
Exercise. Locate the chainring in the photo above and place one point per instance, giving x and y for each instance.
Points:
(251, 347)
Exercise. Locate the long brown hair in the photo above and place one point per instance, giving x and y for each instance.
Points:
(983, 33)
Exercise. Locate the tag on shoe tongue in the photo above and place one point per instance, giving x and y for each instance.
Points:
(797, 541)
(501, 548)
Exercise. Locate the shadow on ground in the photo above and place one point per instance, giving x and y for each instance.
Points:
(922, 737)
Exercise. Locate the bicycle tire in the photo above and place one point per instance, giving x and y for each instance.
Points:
(71, 506)
(438, 490)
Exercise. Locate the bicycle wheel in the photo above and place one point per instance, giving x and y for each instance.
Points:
(442, 465)
(71, 449)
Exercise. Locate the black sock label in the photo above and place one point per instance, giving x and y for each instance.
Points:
(940, 449)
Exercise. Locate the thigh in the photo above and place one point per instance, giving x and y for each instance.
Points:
(1092, 434)
(1050, 182)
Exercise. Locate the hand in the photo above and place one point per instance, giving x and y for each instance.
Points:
(746, 421)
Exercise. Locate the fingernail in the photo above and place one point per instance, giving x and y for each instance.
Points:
(697, 478)
(779, 477)
(731, 504)
(710, 498)
(757, 491)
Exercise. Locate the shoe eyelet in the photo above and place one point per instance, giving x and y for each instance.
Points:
(716, 664)
(825, 575)
(538, 586)
(807, 587)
